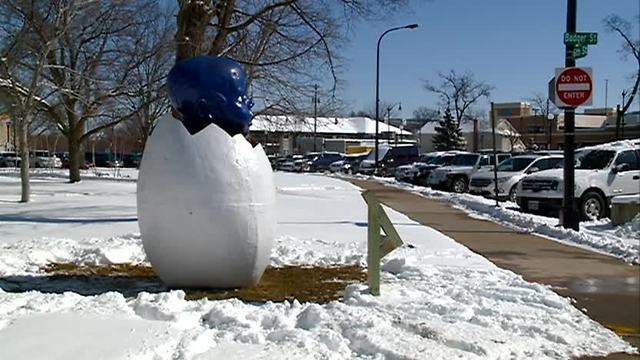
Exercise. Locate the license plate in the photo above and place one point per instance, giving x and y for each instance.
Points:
(534, 205)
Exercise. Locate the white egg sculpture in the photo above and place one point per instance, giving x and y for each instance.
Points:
(206, 206)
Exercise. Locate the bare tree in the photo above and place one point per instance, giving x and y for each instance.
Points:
(286, 45)
(426, 113)
(26, 43)
(459, 92)
(145, 92)
(630, 46)
(91, 67)
(542, 104)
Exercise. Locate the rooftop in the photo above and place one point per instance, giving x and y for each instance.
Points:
(324, 125)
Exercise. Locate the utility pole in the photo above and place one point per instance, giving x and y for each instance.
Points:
(618, 116)
(550, 119)
(315, 116)
(606, 94)
(624, 93)
(569, 214)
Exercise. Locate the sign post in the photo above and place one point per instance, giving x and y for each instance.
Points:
(569, 213)
(378, 245)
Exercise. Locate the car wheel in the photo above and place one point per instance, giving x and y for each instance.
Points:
(459, 185)
(513, 193)
(592, 206)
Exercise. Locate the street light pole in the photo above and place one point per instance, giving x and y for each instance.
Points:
(389, 108)
(315, 115)
(410, 26)
(624, 93)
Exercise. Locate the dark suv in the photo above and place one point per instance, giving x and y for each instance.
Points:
(322, 161)
(398, 156)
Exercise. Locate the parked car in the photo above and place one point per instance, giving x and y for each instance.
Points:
(278, 162)
(601, 172)
(9, 159)
(456, 176)
(131, 160)
(322, 161)
(509, 173)
(290, 163)
(410, 172)
(43, 159)
(84, 166)
(389, 158)
(349, 164)
(104, 159)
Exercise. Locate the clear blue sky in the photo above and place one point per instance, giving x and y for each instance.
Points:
(514, 45)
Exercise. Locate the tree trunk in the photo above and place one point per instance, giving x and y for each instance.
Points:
(74, 159)
(23, 143)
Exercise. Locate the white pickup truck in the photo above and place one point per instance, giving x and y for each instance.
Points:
(456, 175)
(601, 172)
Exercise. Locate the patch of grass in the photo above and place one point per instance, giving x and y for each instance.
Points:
(305, 283)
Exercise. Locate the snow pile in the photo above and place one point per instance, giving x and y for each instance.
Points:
(102, 173)
(439, 300)
(619, 241)
(28, 256)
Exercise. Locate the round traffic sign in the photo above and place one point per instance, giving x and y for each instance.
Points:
(574, 86)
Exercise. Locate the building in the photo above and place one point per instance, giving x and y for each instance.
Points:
(507, 138)
(6, 133)
(595, 126)
(511, 109)
(288, 134)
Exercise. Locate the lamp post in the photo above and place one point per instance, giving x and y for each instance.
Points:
(410, 26)
(389, 108)
(624, 94)
(316, 101)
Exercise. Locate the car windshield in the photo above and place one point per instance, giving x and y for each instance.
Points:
(515, 164)
(442, 160)
(465, 160)
(427, 159)
(594, 159)
(381, 153)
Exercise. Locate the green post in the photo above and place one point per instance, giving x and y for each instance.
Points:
(373, 253)
(378, 245)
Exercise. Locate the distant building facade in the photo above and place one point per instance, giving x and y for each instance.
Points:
(594, 126)
(507, 138)
(6, 133)
(291, 134)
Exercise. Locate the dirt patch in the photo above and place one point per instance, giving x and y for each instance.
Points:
(304, 283)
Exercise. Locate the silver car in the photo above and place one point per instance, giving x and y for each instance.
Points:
(510, 172)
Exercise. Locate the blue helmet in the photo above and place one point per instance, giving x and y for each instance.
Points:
(210, 89)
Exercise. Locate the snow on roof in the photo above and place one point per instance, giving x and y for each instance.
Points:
(324, 125)
(615, 145)
(502, 128)
(585, 121)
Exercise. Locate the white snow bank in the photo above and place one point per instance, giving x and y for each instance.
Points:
(618, 241)
(439, 300)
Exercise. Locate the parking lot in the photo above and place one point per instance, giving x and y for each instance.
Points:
(607, 176)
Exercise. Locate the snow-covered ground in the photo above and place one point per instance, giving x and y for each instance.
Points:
(439, 300)
(619, 241)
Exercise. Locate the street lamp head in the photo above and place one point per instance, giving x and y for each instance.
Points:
(399, 106)
(411, 26)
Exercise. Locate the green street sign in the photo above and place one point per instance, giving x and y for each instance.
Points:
(580, 51)
(581, 38)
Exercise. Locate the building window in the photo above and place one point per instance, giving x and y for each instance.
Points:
(535, 129)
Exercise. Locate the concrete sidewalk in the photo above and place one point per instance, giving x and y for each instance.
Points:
(606, 288)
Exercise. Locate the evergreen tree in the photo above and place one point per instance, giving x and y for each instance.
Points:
(448, 134)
